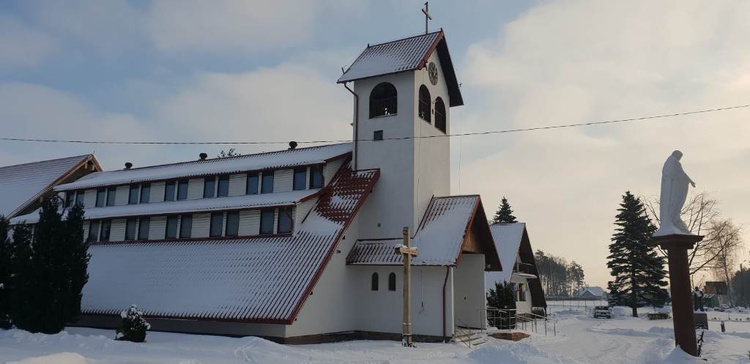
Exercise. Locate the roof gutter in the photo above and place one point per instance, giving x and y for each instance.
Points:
(356, 124)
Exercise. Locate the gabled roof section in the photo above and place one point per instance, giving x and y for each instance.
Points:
(198, 168)
(24, 184)
(255, 280)
(403, 55)
(441, 237)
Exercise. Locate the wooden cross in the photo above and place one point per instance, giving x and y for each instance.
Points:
(407, 252)
(427, 17)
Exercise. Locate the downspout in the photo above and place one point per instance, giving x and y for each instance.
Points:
(445, 282)
(356, 123)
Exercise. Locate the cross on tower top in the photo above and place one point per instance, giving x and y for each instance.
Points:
(427, 17)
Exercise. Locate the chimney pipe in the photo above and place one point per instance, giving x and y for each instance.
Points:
(128, 165)
(203, 156)
(292, 145)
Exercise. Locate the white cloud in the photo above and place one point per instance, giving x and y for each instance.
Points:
(23, 46)
(579, 61)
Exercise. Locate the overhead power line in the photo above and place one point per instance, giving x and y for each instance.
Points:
(486, 132)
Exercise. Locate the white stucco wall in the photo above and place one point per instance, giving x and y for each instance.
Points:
(469, 292)
(522, 306)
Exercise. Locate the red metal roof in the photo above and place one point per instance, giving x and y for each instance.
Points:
(262, 280)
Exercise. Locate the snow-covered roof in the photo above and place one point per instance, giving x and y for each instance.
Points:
(23, 184)
(198, 205)
(594, 291)
(507, 241)
(402, 55)
(440, 237)
(273, 160)
(261, 280)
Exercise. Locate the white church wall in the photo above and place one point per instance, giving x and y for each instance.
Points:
(301, 211)
(282, 180)
(522, 306)
(195, 188)
(158, 228)
(331, 306)
(330, 169)
(157, 192)
(201, 225)
(469, 292)
(237, 184)
(390, 206)
(121, 195)
(249, 222)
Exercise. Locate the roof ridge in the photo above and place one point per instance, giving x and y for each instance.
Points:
(47, 160)
(398, 40)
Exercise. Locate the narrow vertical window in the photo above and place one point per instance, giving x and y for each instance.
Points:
(300, 178)
(93, 231)
(392, 281)
(145, 193)
(267, 185)
(133, 195)
(79, 197)
(425, 102)
(374, 282)
(171, 230)
(217, 220)
(144, 225)
(106, 227)
(182, 189)
(69, 198)
(233, 223)
(101, 197)
(130, 228)
(252, 184)
(266, 221)
(169, 190)
(316, 177)
(186, 226)
(111, 194)
(285, 221)
(209, 185)
(223, 190)
(440, 119)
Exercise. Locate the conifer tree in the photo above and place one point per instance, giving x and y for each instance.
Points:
(504, 298)
(23, 283)
(5, 273)
(504, 214)
(638, 271)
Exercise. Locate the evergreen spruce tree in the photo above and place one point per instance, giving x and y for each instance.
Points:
(5, 273)
(504, 214)
(502, 297)
(23, 284)
(77, 259)
(638, 271)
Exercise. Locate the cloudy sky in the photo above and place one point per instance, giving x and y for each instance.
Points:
(265, 70)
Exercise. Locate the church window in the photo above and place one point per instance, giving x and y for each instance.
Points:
(111, 193)
(130, 228)
(93, 231)
(266, 221)
(383, 100)
(267, 182)
(392, 281)
(223, 189)
(374, 282)
(143, 228)
(133, 195)
(209, 185)
(145, 192)
(182, 189)
(101, 197)
(171, 230)
(440, 122)
(233, 223)
(316, 177)
(521, 292)
(424, 103)
(169, 190)
(251, 188)
(300, 177)
(186, 226)
(217, 220)
(285, 221)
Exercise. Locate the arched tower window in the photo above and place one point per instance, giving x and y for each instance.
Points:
(392, 281)
(374, 282)
(440, 114)
(383, 100)
(424, 103)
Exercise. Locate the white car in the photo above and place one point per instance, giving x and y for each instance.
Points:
(602, 312)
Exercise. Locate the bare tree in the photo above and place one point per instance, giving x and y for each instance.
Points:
(727, 240)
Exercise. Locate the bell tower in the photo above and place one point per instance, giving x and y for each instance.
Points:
(403, 93)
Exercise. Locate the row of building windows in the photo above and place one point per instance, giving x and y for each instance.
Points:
(181, 226)
(214, 186)
(375, 282)
(384, 101)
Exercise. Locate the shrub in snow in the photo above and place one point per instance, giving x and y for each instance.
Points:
(133, 327)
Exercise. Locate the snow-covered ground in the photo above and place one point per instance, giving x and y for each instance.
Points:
(579, 339)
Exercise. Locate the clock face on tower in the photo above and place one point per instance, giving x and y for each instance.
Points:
(433, 72)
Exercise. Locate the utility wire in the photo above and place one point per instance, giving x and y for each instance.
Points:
(486, 132)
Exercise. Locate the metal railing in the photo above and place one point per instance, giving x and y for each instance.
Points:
(509, 319)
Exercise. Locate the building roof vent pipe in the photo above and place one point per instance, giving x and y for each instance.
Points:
(203, 156)
(292, 145)
(128, 165)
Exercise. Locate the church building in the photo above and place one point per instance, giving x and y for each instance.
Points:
(299, 245)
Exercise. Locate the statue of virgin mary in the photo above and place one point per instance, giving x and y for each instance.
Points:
(674, 188)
